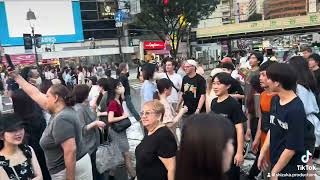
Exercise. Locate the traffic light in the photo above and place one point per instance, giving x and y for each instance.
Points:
(37, 39)
(27, 41)
(165, 2)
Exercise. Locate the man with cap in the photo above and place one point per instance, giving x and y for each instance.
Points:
(193, 89)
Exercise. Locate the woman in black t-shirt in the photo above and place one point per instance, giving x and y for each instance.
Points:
(155, 155)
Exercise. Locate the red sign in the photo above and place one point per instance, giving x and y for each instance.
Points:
(154, 45)
(166, 2)
(21, 59)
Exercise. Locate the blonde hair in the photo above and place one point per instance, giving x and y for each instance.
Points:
(157, 106)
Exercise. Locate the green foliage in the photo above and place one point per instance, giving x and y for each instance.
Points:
(168, 20)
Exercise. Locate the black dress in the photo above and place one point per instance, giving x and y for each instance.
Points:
(23, 170)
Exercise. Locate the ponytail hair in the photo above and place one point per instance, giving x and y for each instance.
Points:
(64, 93)
(156, 95)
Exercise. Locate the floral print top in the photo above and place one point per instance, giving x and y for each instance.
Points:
(24, 171)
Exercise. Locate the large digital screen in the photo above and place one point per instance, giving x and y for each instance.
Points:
(58, 21)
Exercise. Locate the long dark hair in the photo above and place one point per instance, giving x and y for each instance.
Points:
(305, 76)
(114, 83)
(204, 138)
(104, 84)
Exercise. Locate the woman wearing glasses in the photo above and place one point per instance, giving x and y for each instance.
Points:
(155, 155)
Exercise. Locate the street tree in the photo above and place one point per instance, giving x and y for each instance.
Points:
(172, 19)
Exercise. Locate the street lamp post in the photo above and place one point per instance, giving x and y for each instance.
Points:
(31, 17)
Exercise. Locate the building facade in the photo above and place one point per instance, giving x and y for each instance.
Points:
(227, 11)
(215, 19)
(285, 8)
(240, 9)
(98, 19)
(256, 7)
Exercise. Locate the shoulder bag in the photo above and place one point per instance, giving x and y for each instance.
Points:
(121, 125)
(108, 156)
(172, 83)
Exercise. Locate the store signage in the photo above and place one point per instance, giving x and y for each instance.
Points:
(107, 10)
(154, 45)
(21, 59)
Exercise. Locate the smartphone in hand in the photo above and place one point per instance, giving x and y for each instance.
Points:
(9, 62)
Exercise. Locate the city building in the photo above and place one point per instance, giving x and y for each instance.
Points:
(215, 19)
(98, 19)
(242, 8)
(227, 11)
(256, 7)
(285, 8)
(313, 6)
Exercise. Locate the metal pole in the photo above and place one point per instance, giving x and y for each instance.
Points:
(119, 34)
(120, 46)
(36, 53)
(35, 47)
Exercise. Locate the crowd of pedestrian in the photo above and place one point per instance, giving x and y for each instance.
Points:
(71, 123)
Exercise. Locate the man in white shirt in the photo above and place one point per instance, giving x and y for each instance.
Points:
(175, 79)
(81, 78)
(49, 74)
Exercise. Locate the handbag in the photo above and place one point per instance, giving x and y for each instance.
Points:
(108, 156)
(121, 125)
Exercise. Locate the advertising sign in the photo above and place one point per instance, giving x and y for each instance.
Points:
(18, 59)
(59, 20)
(147, 45)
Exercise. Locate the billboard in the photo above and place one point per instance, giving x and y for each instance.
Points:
(309, 20)
(58, 21)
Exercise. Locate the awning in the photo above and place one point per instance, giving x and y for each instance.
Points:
(86, 52)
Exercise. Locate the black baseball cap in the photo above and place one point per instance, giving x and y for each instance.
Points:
(10, 122)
